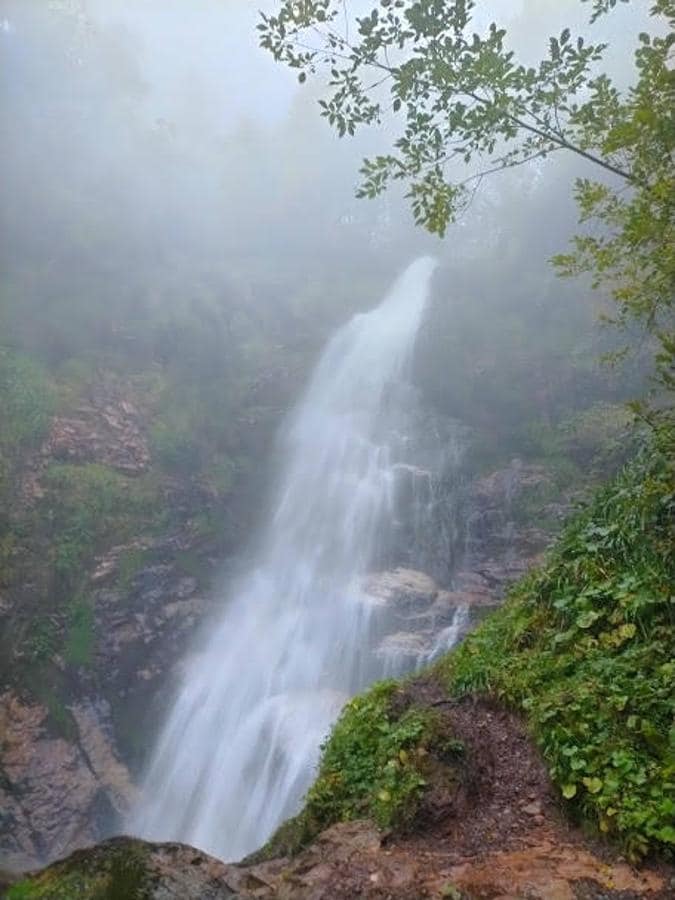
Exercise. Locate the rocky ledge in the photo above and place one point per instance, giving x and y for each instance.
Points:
(496, 835)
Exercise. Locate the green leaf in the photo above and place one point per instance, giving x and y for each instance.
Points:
(586, 619)
(593, 785)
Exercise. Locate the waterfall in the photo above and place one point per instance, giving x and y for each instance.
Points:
(295, 636)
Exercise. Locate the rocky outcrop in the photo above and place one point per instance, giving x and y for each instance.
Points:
(56, 792)
(401, 588)
(414, 618)
(145, 617)
(501, 541)
(107, 430)
(133, 870)
(72, 724)
(493, 833)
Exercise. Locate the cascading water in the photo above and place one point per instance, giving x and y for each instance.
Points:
(296, 636)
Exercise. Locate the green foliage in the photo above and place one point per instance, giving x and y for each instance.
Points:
(47, 684)
(175, 445)
(463, 97)
(80, 634)
(89, 503)
(43, 639)
(27, 403)
(468, 108)
(634, 253)
(584, 648)
(373, 766)
(129, 564)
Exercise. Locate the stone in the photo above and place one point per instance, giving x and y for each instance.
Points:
(96, 741)
(532, 809)
(400, 587)
(403, 646)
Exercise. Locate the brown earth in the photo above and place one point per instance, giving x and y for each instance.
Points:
(496, 833)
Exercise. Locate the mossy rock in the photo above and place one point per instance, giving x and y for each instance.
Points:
(128, 869)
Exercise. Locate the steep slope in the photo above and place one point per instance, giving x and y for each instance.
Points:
(433, 787)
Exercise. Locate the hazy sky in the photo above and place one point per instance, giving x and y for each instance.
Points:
(159, 130)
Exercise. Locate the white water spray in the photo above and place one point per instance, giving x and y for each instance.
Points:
(296, 637)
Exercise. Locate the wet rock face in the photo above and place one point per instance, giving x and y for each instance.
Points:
(415, 619)
(56, 793)
(501, 541)
(107, 429)
(474, 536)
(488, 524)
(67, 784)
(144, 625)
(401, 588)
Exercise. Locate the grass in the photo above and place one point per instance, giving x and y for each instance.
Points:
(80, 634)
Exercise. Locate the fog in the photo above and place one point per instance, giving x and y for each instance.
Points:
(180, 245)
(150, 147)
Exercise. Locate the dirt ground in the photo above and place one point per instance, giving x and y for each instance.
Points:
(490, 829)
(497, 835)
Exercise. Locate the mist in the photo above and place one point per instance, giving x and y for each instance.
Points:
(218, 369)
(156, 155)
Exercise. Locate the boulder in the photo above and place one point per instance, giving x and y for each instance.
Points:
(401, 588)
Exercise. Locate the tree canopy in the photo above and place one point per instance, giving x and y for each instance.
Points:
(463, 106)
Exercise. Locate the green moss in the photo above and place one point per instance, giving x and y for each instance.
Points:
(190, 563)
(129, 565)
(115, 871)
(584, 648)
(27, 403)
(80, 634)
(43, 638)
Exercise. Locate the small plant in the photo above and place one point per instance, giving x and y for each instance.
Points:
(43, 639)
(27, 403)
(371, 764)
(129, 565)
(88, 505)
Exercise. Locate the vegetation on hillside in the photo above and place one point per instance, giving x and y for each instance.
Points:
(582, 648)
